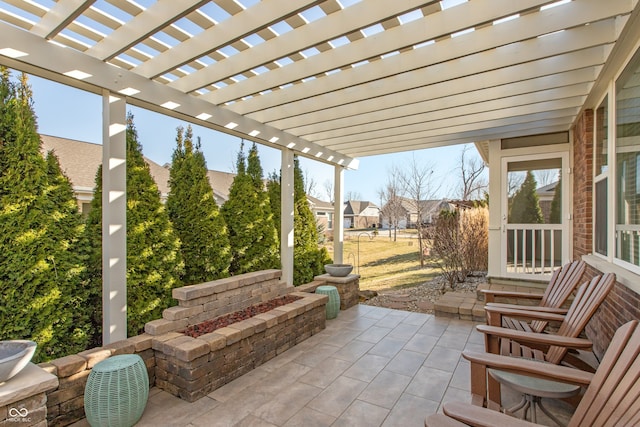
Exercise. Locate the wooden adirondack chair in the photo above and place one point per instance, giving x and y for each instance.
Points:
(612, 397)
(548, 348)
(562, 283)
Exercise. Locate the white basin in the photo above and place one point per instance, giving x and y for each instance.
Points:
(338, 270)
(14, 356)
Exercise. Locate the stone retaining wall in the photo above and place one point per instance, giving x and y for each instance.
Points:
(65, 404)
(190, 368)
(348, 288)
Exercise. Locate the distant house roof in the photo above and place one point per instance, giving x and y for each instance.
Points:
(318, 204)
(426, 206)
(80, 161)
(356, 207)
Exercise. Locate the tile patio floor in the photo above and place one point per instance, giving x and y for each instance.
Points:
(370, 367)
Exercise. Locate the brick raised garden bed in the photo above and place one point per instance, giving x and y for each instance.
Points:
(190, 368)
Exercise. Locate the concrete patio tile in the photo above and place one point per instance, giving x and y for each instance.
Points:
(461, 378)
(455, 394)
(376, 313)
(238, 385)
(410, 411)
(343, 337)
(443, 358)
(278, 381)
(385, 389)
(231, 412)
(316, 355)
(168, 410)
(367, 367)
(429, 383)
(460, 326)
(362, 414)
(404, 331)
(325, 372)
(251, 421)
(453, 340)
(417, 319)
(475, 347)
(387, 347)
(374, 334)
(406, 363)
(287, 404)
(421, 343)
(391, 320)
(353, 351)
(338, 396)
(360, 324)
(308, 417)
(434, 327)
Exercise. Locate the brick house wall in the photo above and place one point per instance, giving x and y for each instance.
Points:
(622, 304)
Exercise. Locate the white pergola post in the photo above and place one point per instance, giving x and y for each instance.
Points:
(114, 218)
(496, 216)
(338, 218)
(286, 217)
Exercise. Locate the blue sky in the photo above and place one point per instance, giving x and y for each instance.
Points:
(71, 113)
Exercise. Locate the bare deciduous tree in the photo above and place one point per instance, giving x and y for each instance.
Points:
(418, 185)
(328, 189)
(309, 184)
(352, 195)
(391, 201)
(472, 176)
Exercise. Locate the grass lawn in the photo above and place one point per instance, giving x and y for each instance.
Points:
(385, 264)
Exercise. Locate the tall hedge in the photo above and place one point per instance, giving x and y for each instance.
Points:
(195, 215)
(525, 205)
(247, 213)
(42, 296)
(154, 262)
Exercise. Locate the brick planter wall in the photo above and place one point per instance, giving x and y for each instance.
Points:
(65, 404)
(348, 288)
(190, 368)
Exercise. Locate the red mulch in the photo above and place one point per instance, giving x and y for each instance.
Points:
(227, 319)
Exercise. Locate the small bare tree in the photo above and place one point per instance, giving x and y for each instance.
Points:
(328, 189)
(309, 184)
(352, 195)
(391, 201)
(418, 185)
(471, 175)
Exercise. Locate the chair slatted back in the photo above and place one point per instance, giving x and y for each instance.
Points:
(613, 397)
(562, 283)
(588, 299)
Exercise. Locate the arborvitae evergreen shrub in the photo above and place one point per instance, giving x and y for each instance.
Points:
(195, 214)
(42, 297)
(556, 203)
(154, 262)
(525, 206)
(252, 234)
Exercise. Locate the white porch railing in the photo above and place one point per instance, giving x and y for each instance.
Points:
(533, 248)
(628, 242)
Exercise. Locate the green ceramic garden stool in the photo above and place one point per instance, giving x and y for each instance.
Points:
(116, 392)
(333, 305)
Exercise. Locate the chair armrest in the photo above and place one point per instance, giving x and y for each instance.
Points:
(535, 338)
(440, 420)
(533, 308)
(479, 417)
(495, 313)
(533, 368)
(490, 295)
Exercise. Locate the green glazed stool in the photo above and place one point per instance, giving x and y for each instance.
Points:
(116, 392)
(333, 305)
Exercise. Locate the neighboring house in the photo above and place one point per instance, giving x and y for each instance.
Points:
(361, 214)
(323, 212)
(80, 161)
(545, 197)
(430, 209)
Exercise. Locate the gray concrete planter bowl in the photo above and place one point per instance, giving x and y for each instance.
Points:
(14, 356)
(338, 270)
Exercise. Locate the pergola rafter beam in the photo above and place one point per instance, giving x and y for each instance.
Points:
(416, 32)
(158, 16)
(59, 16)
(330, 27)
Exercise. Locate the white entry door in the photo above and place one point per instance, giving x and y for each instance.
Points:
(535, 206)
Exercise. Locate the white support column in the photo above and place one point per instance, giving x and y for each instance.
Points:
(496, 216)
(286, 217)
(114, 219)
(338, 218)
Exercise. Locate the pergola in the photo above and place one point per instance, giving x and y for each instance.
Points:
(332, 80)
